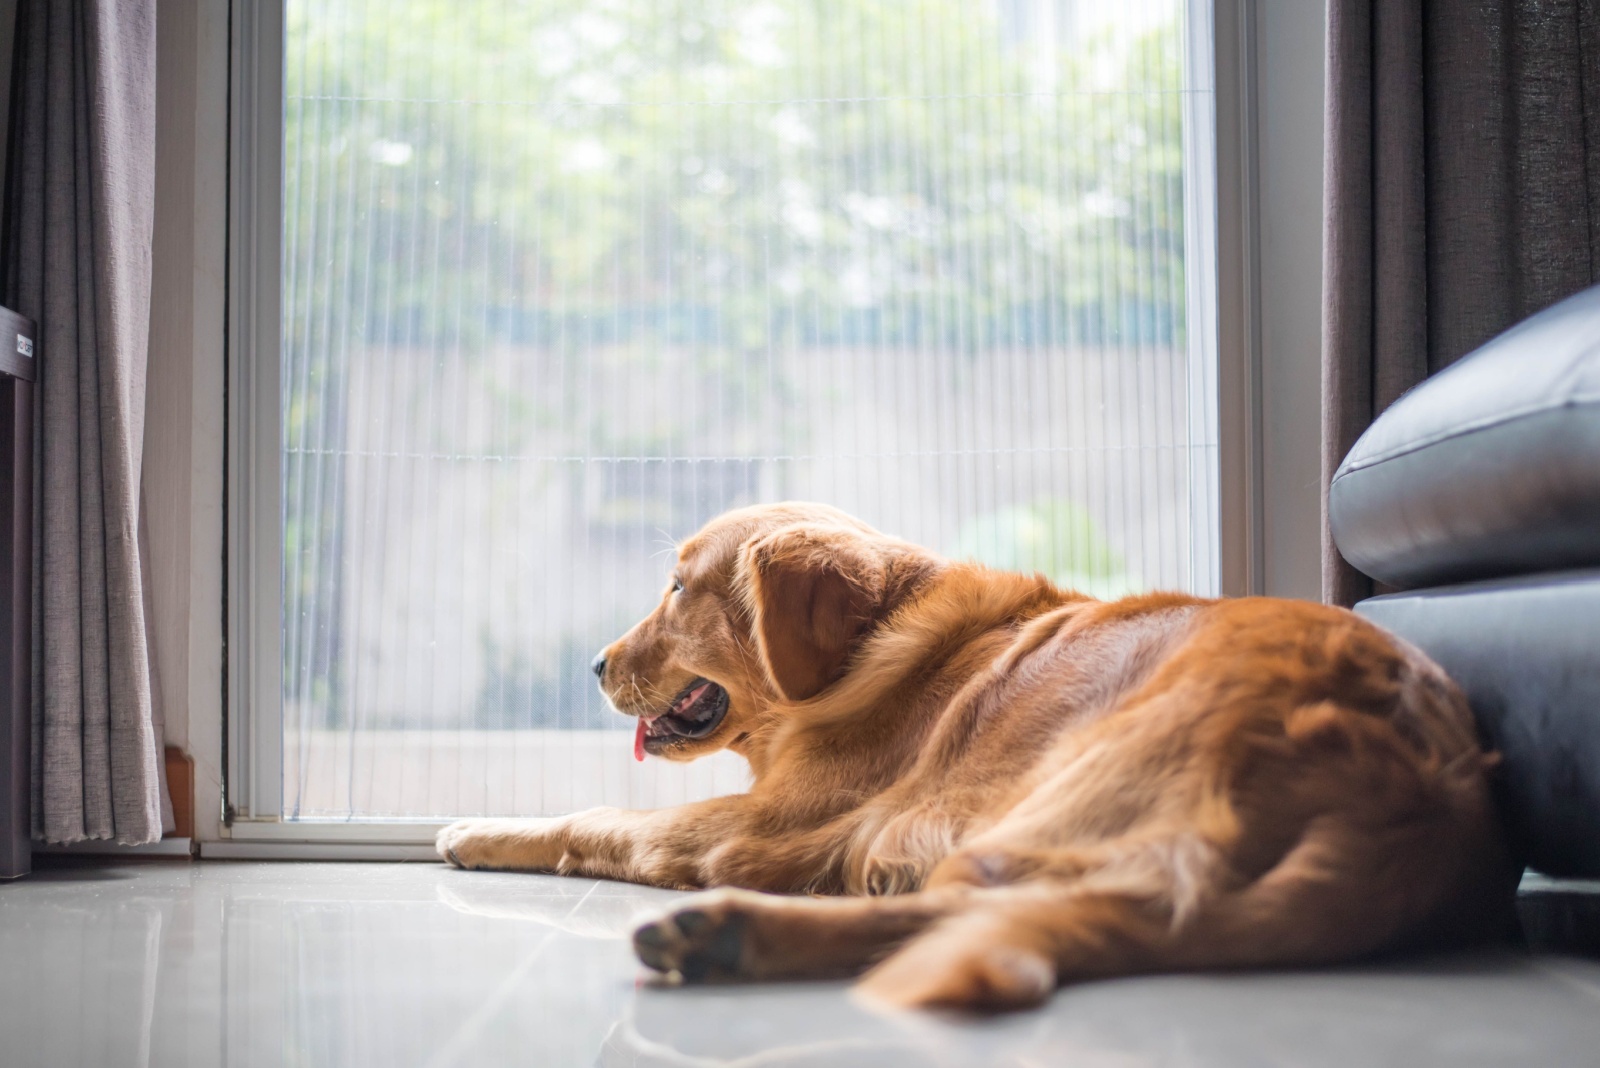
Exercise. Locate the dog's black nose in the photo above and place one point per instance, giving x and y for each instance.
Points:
(598, 666)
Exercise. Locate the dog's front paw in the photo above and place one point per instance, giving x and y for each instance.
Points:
(701, 940)
(507, 845)
(460, 843)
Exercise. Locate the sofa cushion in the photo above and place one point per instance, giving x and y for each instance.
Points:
(1523, 650)
(1490, 467)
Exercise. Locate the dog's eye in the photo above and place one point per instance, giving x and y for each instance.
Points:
(677, 584)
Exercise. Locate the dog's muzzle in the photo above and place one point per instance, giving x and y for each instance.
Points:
(696, 712)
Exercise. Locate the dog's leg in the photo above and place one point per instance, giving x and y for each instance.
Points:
(737, 934)
(957, 946)
(1010, 954)
(720, 841)
(661, 847)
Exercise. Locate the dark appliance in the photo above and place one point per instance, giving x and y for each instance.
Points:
(18, 373)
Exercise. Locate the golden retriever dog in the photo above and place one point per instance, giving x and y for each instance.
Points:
(1001, 786)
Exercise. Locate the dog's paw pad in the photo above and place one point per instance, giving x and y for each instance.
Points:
(653, 945)
(692, 922)
(700, 944)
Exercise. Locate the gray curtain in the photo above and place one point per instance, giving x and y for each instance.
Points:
(80, 202)
(1462, 194)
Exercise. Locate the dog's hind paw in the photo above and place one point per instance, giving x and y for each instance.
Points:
(945, 969)
(702, 940)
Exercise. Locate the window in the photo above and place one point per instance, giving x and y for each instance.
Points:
(559, 280)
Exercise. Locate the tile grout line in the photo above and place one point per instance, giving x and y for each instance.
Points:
(455, 1045)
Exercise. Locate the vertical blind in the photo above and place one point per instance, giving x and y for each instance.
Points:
(563, 279)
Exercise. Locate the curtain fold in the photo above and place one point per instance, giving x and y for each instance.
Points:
(77, 260)
(1462, 194)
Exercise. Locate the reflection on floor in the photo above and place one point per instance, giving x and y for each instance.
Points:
(214, 963)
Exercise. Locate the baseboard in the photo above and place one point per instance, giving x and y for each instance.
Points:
(327, 851)
(167, 847)
(235, 849)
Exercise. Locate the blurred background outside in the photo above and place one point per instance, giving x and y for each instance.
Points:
(564, 279)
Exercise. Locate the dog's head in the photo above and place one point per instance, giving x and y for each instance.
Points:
(764, 607)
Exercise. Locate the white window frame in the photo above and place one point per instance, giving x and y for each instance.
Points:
(253, 760)
(1245, 414)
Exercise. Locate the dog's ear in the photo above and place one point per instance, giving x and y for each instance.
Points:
(811, 592)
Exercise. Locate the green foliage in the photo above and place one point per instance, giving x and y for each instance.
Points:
(1053, 537)
(730, 173)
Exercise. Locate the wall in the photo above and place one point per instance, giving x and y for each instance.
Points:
(184, 414)
(1289, 78)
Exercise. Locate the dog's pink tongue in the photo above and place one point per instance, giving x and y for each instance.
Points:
(638, 740)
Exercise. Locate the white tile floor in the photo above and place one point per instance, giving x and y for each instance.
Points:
(222, 964)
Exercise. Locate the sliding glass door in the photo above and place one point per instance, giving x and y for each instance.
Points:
(560, 280)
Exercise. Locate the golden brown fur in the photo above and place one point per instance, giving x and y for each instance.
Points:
(1028, 786)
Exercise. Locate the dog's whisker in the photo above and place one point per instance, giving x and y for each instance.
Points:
(669, 543)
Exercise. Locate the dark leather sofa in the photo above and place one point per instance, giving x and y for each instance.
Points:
(1478, 495)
